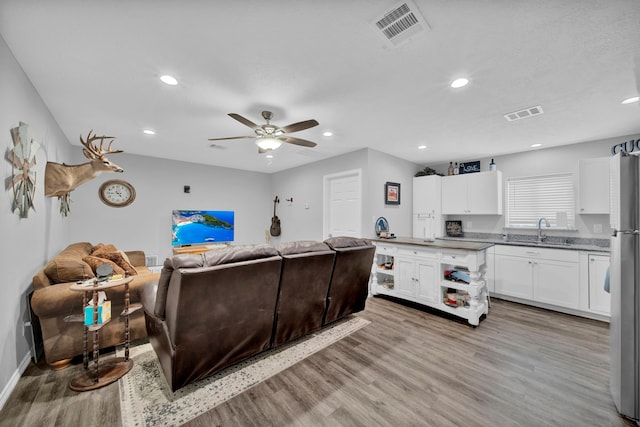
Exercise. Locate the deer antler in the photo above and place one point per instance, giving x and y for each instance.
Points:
(92, 152)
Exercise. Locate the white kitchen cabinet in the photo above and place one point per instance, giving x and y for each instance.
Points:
(599, 299)
(427, 207)
(593, 194)
(513, 276)
(549, 276)
(472, 194)
(418, 278)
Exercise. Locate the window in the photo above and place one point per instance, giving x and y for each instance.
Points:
(548, 196)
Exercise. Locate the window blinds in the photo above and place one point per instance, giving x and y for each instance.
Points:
(548, 196)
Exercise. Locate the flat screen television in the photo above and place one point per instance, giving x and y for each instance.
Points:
(202, 227)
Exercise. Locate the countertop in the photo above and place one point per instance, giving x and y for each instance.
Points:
(591, 245)
(480, 241)
(461, 244)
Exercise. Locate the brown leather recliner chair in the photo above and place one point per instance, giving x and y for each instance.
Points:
(349, 286)
(304, 283)
(211, 310)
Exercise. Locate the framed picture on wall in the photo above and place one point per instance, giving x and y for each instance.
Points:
(392, 193)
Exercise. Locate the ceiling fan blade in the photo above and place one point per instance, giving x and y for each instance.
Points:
(232, 137)
(297, 141)
(244, 121)
(295, 127)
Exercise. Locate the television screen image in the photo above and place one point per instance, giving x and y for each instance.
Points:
(202, 227)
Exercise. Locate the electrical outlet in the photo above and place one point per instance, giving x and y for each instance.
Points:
(597, 228)
(469, 224)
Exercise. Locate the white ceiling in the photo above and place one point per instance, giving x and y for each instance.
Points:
(96, 65)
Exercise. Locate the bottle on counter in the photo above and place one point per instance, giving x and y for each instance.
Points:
(492, 165)
(456, 169)
(450, 171)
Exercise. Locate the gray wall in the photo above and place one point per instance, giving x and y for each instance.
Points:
(540, 162)
(305, 185)
(27, 243)
(146, 224)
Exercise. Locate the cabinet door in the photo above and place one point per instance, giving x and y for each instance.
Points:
(599, 299)
(426, 194)
(405, 277)
(484, 193)
(594, 186)
(454, 194)
(427, 280)
(556, 282)
(513, 276)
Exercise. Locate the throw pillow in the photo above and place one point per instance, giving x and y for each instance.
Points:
(95, 262)
(120, 259)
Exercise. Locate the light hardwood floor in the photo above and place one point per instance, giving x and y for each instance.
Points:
(522, 366)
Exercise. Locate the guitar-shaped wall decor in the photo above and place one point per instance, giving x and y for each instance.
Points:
(275, 221)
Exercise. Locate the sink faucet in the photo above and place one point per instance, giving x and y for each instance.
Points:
(541, 236)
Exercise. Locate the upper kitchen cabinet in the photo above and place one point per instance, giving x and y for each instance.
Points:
(594, 186)
(477, 193)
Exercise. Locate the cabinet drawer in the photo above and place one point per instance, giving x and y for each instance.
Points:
(385, 250)
(456, 257)
(417, 253)
(568, 255)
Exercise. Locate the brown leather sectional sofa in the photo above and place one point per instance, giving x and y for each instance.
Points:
(212, 310)
(53, 301)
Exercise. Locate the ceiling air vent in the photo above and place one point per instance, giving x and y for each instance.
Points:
(523, 114)
(401, 23)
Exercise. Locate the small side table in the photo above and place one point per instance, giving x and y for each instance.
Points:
(114, 368)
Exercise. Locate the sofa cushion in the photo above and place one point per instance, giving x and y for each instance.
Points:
(96, 262)
(302, 246)
(347, 242)
(238, 254)
(68, 265)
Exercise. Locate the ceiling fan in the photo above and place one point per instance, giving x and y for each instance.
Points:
(270, 137)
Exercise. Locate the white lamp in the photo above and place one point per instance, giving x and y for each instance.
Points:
(268, 142)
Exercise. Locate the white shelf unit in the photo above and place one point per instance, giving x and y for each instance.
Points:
(418, 275)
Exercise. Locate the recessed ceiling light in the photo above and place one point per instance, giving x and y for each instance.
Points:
(328, 133)
(422, 147)
(536, 145)
(459, 82)
(148, 132)
(170, 80)
(631, 100)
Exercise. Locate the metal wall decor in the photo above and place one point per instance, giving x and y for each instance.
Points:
(23, 179)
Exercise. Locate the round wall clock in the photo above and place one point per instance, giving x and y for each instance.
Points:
(117, 193)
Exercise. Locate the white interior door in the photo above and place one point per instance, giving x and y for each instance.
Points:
(343, 204)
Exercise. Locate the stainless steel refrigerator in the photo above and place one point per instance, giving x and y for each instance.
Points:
(624, 275)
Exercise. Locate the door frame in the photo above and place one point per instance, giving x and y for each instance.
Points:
(326, 180)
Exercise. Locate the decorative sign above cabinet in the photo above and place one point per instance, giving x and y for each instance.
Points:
(470, 167)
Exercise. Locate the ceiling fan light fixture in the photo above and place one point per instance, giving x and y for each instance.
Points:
(268, 143)
(460, 82)
(631, 100)
(170, 80)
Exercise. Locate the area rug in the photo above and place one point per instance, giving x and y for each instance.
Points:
(147, 400)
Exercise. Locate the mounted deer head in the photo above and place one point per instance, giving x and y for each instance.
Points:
(61, 179)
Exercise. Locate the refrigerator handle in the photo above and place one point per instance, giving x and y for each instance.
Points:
(615, 232)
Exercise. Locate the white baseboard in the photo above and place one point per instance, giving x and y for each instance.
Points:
(13, 381)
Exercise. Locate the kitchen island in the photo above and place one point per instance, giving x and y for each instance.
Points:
(443, 274)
